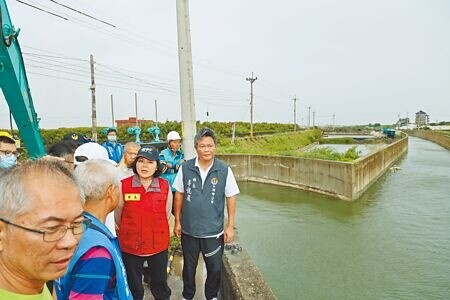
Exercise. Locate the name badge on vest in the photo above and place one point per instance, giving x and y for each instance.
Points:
(132, 197)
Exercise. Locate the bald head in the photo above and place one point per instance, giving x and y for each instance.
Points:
(95, 176)
(16, 184)
(130, 151)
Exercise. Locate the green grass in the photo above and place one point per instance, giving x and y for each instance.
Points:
(290, 144)
(348, 140)
(279, 144)
(328, 153)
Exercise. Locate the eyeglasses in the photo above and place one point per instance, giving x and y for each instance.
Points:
(9, 153)
(59, 232)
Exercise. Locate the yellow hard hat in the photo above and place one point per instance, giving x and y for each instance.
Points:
(4, 133)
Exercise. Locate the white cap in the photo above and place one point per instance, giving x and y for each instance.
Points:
(173, 135)
(91, 151)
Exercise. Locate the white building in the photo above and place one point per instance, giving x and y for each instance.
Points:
(422, 119)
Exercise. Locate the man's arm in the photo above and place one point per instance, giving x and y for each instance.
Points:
(92, 275)
(231, 190)
(119, 208)
(164, 165)
(231, 209)
(169, 203)
(178, 201)
(177, 207)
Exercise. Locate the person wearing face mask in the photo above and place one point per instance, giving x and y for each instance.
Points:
(171, 159)
(8, 151)
(114, 148)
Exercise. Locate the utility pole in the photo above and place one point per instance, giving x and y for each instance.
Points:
(314, 118)
(233, 132)
(334, 119)
(112, 111)
(295, 113)
(10, 122)
(156, 111)
(188, 120)
(309, 117)
(251, 79)
(136, 108)
(94, 105)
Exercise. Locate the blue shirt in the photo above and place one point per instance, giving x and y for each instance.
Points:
(167, 157)
(115, 151)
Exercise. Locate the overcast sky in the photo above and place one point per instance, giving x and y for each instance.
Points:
(364, 61)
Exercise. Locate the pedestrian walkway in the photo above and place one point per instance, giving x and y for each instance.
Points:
(175, 279)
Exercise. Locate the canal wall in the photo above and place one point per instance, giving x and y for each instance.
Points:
(436, 137)
(241, 278)
(367, 169)
(342, 180)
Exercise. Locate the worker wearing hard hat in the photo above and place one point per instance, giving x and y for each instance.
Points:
(8, 151)
(171, 158)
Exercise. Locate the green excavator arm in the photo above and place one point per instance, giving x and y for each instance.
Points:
(15, 88)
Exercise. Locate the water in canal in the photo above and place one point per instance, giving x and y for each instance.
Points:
(393, 243)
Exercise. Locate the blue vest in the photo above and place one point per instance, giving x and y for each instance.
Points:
(203, 206)
(166, 156)
(96, 235)
(115, 151)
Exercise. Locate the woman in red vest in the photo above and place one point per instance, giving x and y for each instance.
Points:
(142, 215)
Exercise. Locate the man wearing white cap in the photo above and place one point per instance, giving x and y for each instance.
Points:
(171, 159)
(95, 151)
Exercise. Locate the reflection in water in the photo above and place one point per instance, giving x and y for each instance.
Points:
(393, 243)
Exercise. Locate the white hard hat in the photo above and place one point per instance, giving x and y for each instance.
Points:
(91, 151)
(173, 135)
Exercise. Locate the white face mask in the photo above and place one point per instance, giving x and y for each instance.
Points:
(112, 138)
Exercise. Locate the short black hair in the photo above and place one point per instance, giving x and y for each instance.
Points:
(158, 167)
(6, 140)
(60, 149)
(204, 132)
(111, 130)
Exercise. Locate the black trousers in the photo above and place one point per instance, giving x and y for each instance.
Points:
(212, 251)
(158, 274)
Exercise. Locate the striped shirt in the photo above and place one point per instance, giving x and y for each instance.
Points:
(93, 276)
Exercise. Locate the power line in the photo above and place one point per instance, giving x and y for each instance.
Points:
(54, 56)
(57, 77)
(133, 77)
(114, 74)
(41, 9)
(84, 75)
(106, 72)
(86, 82)
(84, 14)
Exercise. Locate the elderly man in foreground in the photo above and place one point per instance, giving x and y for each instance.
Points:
(41, 223)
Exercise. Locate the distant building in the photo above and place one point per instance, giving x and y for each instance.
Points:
(131, 122)
(402, 122)
(422, 119)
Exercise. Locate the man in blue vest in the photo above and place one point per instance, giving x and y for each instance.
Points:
(204, 185)
(114, 148)
(96, 270)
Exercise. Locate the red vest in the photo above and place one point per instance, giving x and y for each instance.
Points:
(144, 229)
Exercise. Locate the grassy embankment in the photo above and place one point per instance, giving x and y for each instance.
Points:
(288, 144)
